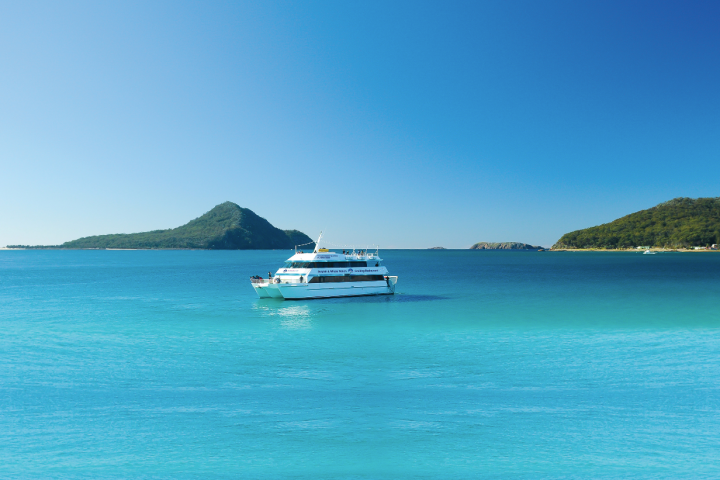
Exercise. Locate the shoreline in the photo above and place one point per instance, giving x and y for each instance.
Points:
(632, 250)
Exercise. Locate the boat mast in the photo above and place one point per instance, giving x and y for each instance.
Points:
(317, 244)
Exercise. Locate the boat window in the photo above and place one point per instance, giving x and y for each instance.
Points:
(333, 264)
(347, 278)
(336, 264)
(323, 264)
(328, 264)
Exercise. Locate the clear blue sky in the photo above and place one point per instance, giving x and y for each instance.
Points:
(403, 124)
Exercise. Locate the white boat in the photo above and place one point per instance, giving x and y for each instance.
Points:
(648, 252)
(326, 274)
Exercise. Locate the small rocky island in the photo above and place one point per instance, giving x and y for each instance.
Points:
(437, 248)
(504, 246)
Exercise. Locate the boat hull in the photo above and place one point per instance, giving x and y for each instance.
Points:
(307, 291)
(267, 290)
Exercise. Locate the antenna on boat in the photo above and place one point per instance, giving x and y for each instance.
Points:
(317, 244)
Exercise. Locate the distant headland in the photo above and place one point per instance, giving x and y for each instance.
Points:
(226, 227)
(681, 223)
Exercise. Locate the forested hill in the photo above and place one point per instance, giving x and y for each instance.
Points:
(681, 222)
(225, 227)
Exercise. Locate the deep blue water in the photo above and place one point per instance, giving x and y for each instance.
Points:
(164, 364)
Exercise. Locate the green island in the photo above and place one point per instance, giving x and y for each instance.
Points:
(681, 223)
(226, 227)
(503, 246)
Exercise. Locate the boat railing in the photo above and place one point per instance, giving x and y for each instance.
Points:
(365, 256)
(259, 280)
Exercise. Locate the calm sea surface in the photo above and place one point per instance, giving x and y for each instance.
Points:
(164, 364)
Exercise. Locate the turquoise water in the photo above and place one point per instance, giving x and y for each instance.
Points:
(164, 364)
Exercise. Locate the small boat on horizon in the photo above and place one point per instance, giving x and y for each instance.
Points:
(648, 252)
(326, 274)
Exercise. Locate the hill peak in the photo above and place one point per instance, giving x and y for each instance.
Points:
(226, 226)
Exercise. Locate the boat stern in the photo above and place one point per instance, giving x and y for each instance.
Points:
(391, 282)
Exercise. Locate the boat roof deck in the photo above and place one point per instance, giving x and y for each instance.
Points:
(331, 257)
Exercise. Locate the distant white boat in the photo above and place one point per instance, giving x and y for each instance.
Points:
(648, 252)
